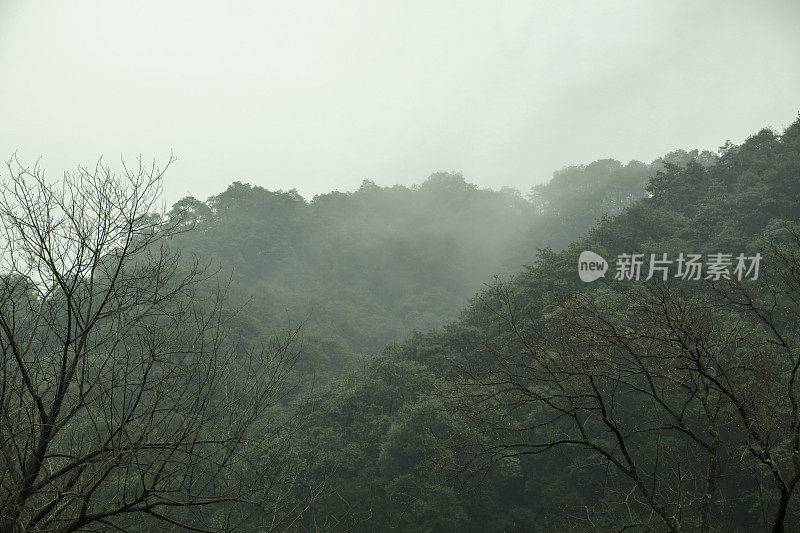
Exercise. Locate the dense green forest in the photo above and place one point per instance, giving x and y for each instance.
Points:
(411, 266)
(409, 437)
(417, 358)
(429, 272)
(367, 268)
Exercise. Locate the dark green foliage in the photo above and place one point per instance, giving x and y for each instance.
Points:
(375, 265)
(369, 267)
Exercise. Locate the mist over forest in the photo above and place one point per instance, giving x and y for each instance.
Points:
(371, 266)
(406, 267)
(423, 308)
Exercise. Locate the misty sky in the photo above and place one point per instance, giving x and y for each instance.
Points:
(321, 95)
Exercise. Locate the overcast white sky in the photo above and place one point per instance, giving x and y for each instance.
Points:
(321, 95)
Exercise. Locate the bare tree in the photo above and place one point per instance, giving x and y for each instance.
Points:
(676, 391)
(123, 404)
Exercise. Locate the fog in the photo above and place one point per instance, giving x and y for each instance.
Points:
(317, 96)
(415, 266)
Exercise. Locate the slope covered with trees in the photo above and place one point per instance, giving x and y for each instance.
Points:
(366, 268)
(166, 396)
(555, 404)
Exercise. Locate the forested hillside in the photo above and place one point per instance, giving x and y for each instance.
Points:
(462, 408)
(413, 359)
(366, 268)
(424, 267)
